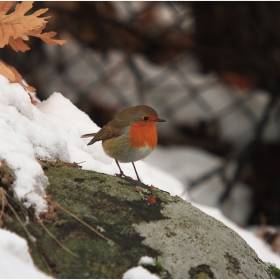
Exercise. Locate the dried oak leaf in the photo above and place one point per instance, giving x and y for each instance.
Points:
(5, 6)
(13, 75)
(16, 27)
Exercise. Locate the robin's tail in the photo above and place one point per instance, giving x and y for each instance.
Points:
(89, 135)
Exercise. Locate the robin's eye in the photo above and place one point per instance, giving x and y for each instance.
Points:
(145, 118)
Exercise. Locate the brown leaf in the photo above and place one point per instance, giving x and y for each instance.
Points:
(46, 37)
(5, 6)
(236, 80)
(13, 75)
(32, 99)
(16, 27)
(152, 199)
(18, 45)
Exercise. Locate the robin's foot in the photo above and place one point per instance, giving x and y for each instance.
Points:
(121, 175)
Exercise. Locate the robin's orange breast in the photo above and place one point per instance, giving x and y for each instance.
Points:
(142, 134)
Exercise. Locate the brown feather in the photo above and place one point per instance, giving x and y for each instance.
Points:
(88, 135)
(122, 120)
(106, 132)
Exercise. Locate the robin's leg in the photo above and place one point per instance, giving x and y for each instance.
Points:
(136, 171)
(121, 175)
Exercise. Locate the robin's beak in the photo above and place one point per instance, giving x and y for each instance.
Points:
(160, 120)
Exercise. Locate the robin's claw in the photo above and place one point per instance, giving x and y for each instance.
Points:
(121, 175)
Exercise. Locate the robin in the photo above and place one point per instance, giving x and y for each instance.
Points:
(130, 136)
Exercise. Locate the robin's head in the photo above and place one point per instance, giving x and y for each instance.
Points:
(141, 113)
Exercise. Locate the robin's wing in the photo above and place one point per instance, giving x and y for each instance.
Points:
(106, 132)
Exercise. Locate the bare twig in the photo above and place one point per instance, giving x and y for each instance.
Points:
(3, 202)
(30, 236)
(81, 221)
(56, 240)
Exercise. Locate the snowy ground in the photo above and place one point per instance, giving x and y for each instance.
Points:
(52, 129)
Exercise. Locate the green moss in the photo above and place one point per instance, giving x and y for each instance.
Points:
(275, 271)
(200, 275)
(104, 202)
(164, 197)
(202, 271)
(154, 268)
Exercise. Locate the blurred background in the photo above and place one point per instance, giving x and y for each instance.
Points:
(211, 69)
